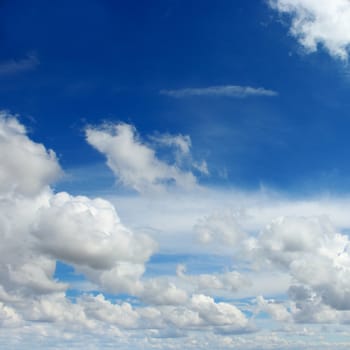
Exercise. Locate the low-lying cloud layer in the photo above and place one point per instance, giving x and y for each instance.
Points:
(294, 268)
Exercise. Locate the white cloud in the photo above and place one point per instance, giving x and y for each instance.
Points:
(180, 142)
(182, 149)
(231, 281)
(220, 228)
(161, 292)
(17, 66)
(317, 258)
(319, 22)
(277, 310)
(234, 91)
(88, 232)
(218, 314)
(26, 167)
(302, 256)
(38, 227)
(134, 163)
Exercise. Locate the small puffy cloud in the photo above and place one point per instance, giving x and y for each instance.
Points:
(99, 308)
(231, 281)
(319, 22)
(276, 310)
(235, 91)
(218, 314)
(161, 292)
(136, 164)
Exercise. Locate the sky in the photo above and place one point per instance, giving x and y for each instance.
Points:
(174, 174)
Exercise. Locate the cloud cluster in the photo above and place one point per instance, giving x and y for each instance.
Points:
(315, 22)
(39, 227)
(317, 258)
(306, 257)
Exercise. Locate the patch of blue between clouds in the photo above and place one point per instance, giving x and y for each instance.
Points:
(165, 264)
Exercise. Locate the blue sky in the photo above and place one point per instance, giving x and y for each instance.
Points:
(103, 60)
(174, 174)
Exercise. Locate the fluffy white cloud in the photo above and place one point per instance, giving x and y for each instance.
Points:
(277, 310)
(317, 258)
(218, 314)
(26, 167)
(308, 255)
(134, 163)
(88, 232)
(231, 281)
(38, 227)
(161, 292)
(317, 22)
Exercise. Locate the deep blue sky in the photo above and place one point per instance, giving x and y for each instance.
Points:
(108, 60)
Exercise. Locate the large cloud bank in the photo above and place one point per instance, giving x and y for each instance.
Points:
(117, 303)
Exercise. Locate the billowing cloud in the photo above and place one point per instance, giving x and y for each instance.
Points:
(319, 22)
(317, 258)
(39, 227)
(235, 91)
(136, 164)
(302, 256)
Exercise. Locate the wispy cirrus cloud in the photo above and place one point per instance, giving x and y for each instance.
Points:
(235, 91)
(11, 67)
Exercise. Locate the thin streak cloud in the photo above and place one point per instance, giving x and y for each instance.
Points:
(235, 91)
(11, 67)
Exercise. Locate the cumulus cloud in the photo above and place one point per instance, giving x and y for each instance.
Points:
(277, 310)
(231, 280)
(96, 237)
(39, 227)
(26, 167)
(161, 292)
(234, 91)
(316, 256)
(319, 22)
(136, 164)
